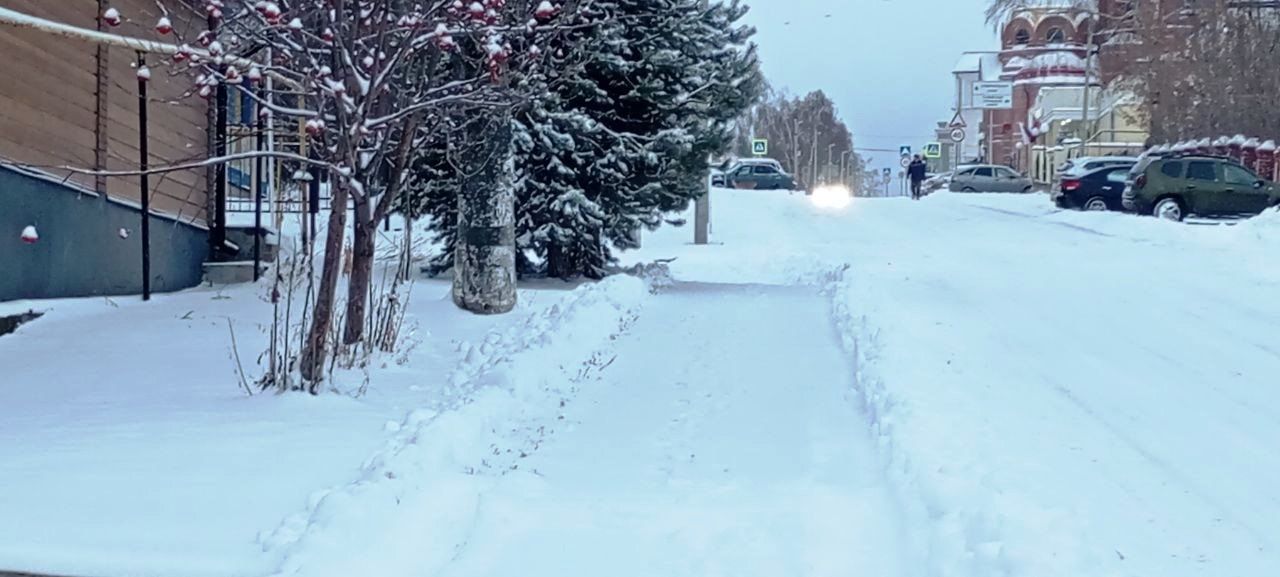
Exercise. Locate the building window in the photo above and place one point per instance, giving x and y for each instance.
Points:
(240, 107)
(1055, 36)
(241, 110)
(1022, 36)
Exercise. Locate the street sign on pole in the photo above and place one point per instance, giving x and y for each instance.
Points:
(993, 95)
(905, 162)
(957, 135)
(888, 173)
(933, 150)
(957, 121)
(760, 147)
(904, 151)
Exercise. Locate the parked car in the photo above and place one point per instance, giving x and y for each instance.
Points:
(936, 182)
(1099, 189)
(1177, 186)
(760, 176)
(1087, 164)
(720, 176)
(989, 178)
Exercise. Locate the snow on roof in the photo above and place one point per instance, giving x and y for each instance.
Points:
(969, 62)
(1057, 59)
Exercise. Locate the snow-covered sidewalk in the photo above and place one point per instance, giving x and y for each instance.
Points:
(721, 438)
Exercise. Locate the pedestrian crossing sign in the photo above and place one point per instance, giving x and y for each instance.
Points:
(933, 150)
(760, 147)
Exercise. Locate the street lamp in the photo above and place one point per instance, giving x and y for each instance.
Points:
(844, 167)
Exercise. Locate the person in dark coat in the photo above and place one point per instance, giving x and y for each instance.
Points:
(916, 171)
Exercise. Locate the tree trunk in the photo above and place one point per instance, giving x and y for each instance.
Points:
(314, 351)
(484, 272)
(358, 285)
(558, 263)
(361, 274)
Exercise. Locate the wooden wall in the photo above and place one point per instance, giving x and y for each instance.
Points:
(49, 105)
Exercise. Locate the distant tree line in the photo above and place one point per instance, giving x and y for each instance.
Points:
(806, 135)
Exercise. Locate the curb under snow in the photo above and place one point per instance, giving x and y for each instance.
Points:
(955, 543)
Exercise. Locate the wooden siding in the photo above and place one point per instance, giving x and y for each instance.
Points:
(48, 105)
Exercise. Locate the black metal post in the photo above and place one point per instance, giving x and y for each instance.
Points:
(258, 170)
(145, 185)
(313, 200)
(220, 187)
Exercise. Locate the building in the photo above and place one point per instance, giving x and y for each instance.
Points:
(69, 106)
(1041, 48)
(973, 67)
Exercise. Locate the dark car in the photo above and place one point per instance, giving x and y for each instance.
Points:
(760, 177)
(1176, 186)
(1100, 189)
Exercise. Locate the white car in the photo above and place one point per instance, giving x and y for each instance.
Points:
(1087, 164)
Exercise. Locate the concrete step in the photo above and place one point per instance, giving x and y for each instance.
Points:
(230, 272)
(243, 237)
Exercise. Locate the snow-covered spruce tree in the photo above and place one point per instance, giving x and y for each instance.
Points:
(634, 105)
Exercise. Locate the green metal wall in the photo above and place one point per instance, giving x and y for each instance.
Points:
(81, 251)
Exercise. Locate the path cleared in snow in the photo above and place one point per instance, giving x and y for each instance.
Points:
(722, 440)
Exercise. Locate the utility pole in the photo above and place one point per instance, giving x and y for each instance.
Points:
(1085, 132)
(830, 160)
(844, 167)
(813, 172)
(702, 213)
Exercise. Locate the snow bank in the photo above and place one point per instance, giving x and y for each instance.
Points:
(957, 511)
(1027, 375)
(1264, 227)
(416, 499)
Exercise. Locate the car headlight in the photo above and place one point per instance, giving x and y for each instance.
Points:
(831, 197)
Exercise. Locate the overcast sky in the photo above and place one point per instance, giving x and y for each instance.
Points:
(886, 63)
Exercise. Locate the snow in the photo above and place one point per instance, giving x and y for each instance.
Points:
(734, 460)
(1055, 393)
(966, 386)
(138, 453)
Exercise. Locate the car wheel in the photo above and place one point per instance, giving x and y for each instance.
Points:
(1096, 204)
(968, 189)
(1169, 208)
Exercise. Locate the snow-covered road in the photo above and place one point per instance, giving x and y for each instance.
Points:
(722, 439)
(1060, 393)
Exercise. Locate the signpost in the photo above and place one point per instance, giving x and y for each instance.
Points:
(957, 126)
(905, 161)
(933, 150)
(760, 147)
(993, 95)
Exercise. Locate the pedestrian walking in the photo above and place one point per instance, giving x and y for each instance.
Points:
(916, 171)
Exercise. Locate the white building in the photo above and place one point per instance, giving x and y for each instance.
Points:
(973, 67)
